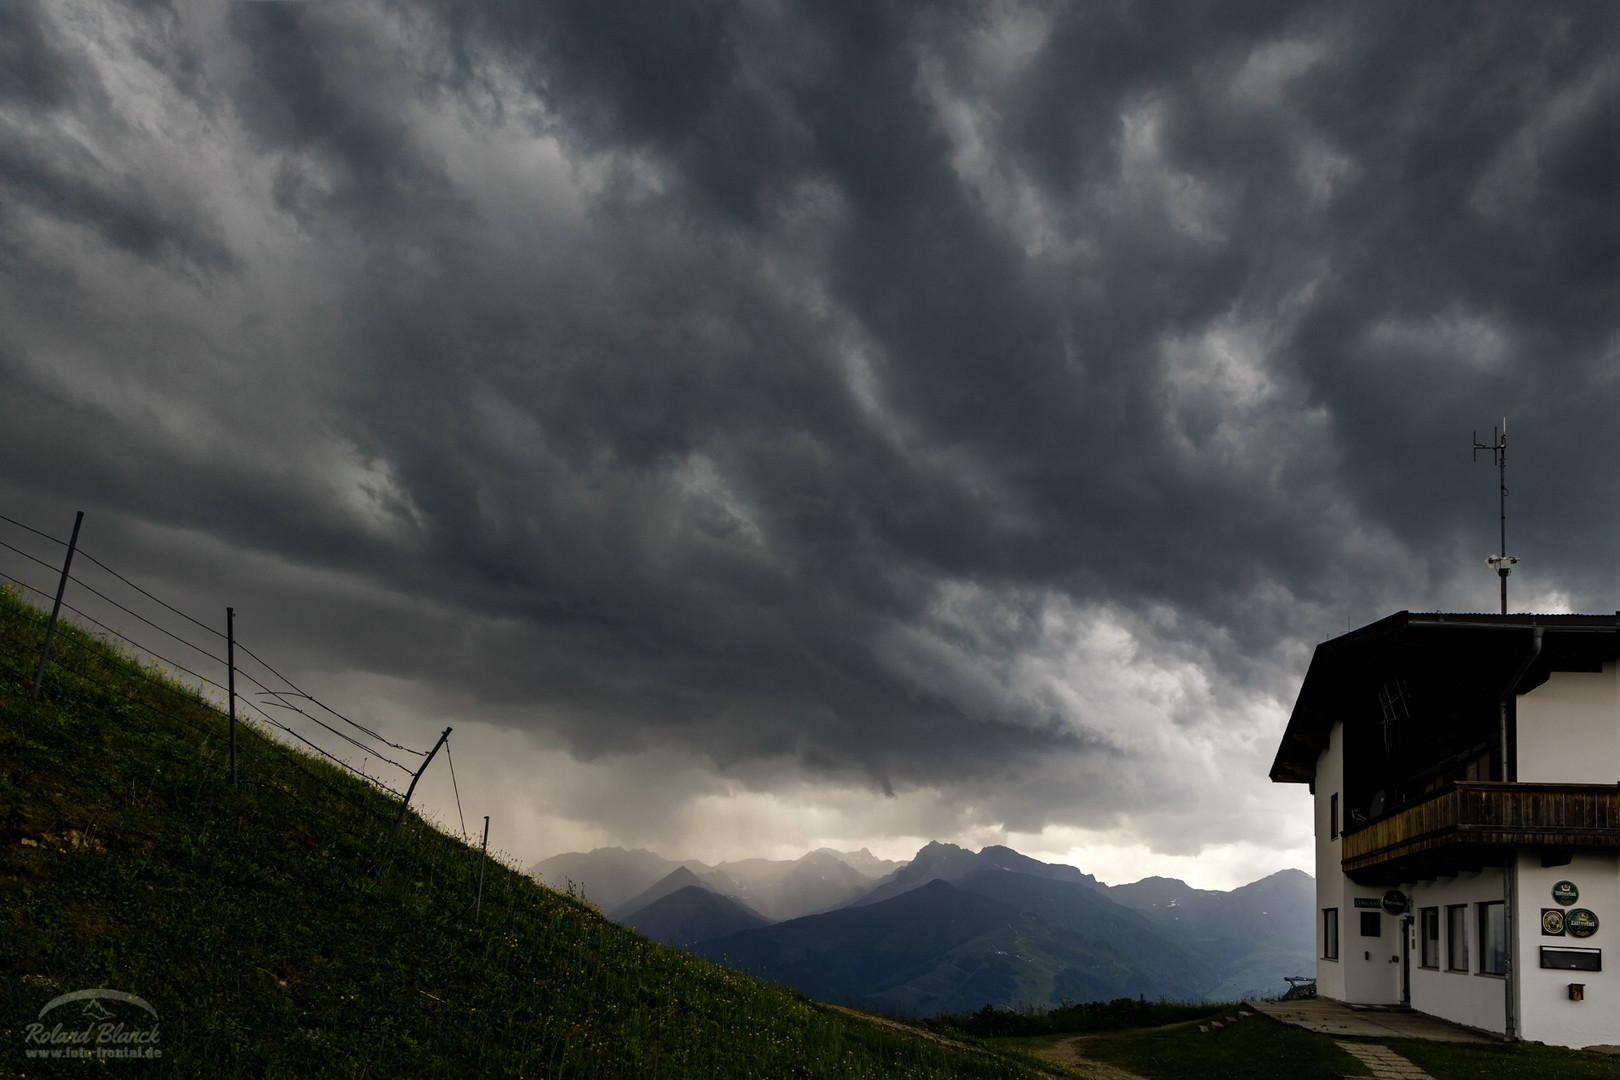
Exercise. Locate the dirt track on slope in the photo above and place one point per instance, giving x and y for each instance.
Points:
(1068, 1053)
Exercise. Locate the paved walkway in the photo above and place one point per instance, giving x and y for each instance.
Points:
(1385, 1063)
(1331, 1017)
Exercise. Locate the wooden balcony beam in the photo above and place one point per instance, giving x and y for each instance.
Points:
(1481, 820)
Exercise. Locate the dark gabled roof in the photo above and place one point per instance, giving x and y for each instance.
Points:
(1495, 646)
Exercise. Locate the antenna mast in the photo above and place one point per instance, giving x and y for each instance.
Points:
(1498, 448)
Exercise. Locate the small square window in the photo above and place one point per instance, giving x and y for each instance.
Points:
(1372, 924)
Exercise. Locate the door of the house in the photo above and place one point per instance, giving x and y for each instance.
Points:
(1406, 961)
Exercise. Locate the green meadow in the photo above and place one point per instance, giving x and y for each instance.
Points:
(252, 920)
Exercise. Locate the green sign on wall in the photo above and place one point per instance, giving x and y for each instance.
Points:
(1580, 923)
(1566, 893)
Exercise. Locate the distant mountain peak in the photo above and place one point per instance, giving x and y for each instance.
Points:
(692, 914)
(680, 877)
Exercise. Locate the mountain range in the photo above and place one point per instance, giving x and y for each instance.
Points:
(619, 881)
(953, 930)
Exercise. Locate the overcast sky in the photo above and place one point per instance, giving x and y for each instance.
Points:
(768, 425)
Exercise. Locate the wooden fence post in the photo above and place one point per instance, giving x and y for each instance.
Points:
(407, 800)
(230, 663)
(56, 609)
(478, 905)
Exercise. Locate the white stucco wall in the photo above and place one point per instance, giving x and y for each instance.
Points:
(1545, 1012)
(1569, 729)
(1363, 973)
(1466, 996)
(1370, 966)
(1330, 880)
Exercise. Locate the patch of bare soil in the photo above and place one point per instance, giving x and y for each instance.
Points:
(895, 1025)
(919, 1033)
(1070, 1052)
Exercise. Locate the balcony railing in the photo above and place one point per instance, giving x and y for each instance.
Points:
(1475, 823)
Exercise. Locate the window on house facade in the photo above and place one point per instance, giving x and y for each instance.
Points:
(1493, 943)
(1333, 816)
(1372, 924)
(1330, 933)
(1429, 919)
(1457, 937)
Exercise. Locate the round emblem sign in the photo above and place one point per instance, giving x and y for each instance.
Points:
(1395, 902)
(1552, 922)
(1580, 922)
(1566, 893)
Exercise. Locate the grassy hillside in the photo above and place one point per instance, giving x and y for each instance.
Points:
(250, 920)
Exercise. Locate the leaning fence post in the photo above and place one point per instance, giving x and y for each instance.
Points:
(230, 663)
(407, 800)
(56, 609)
(478, 905)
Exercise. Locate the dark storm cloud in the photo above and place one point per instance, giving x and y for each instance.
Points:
(34, 71)
(684, 78)
(42, 80)
(934, 394)
(120, 213)
(975, 335)
(305, 97)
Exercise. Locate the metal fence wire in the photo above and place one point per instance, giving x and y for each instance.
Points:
(197, 672)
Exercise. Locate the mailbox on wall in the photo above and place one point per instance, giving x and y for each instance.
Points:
(1570, 959)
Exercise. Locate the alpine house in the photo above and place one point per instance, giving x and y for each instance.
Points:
(1466, 780)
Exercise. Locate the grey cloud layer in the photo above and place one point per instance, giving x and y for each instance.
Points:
(860, 389)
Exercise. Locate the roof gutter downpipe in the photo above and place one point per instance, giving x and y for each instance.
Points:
(1510, 871)
(1510, 766)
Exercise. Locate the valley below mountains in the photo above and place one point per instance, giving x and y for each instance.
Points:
(954, 930)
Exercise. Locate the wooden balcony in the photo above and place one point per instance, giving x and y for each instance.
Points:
(1477, 824)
